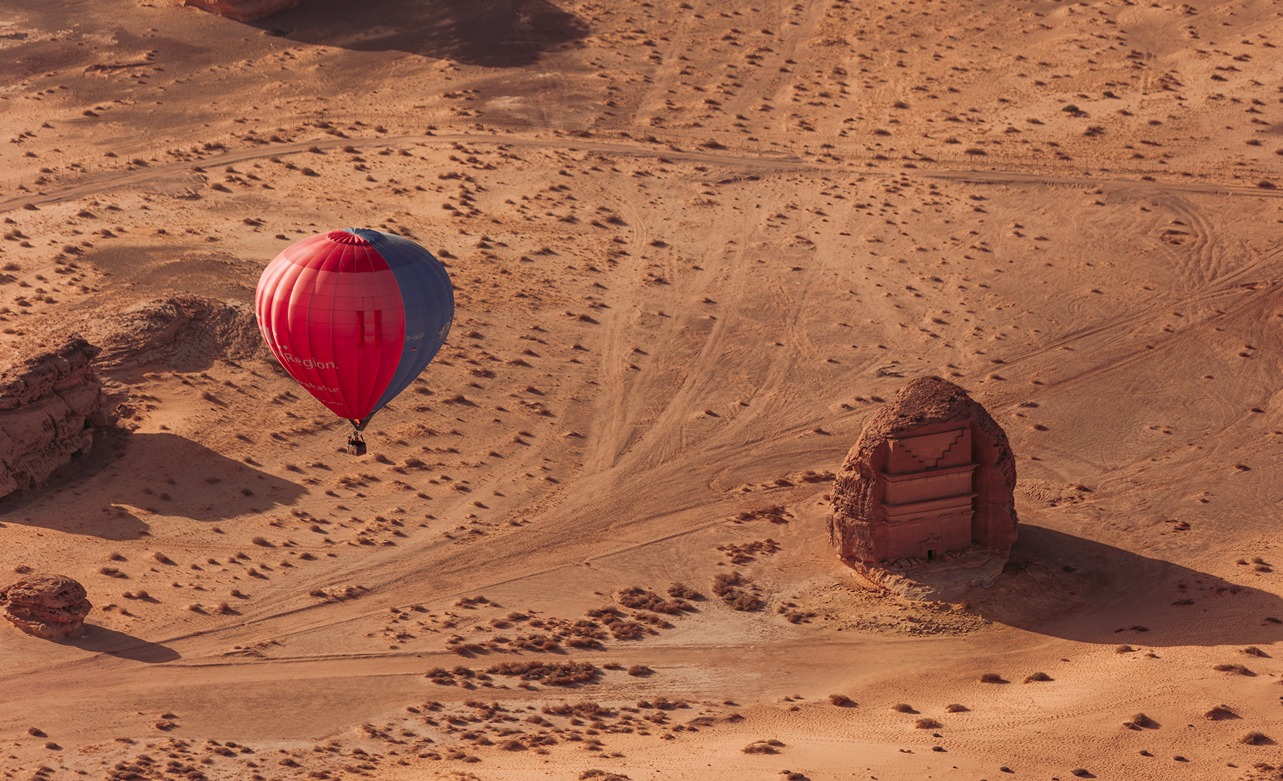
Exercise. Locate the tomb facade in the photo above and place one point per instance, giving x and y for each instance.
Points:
(931, 478)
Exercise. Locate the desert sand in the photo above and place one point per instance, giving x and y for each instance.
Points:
(695, 245)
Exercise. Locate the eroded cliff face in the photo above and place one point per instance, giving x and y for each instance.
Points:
(50, 406)
(242, 10)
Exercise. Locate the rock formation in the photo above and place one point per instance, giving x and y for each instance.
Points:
(48, 606)
(242, 10)
(183, 332)
(50, 406)
(931, 476)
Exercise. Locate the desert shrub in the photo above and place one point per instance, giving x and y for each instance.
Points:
(549, 673)
(683, 591)
(1237, 669)
(1255, 739)
(927, 723)
(992, 678)
(841, 700)
(763, 747)
(1037, 677)
(643, 599)
(737, 592)
(956, 708)
(1220, 713)
(903, 708)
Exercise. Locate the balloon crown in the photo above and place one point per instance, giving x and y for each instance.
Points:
(346, 237)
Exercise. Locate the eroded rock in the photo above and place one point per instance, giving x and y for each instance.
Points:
(182, 332)
(931, 479)
(242, 10)
(50, 406)
(47, 606)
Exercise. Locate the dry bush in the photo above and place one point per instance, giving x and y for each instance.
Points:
(683, 591)
(601, 775)
(841, 700)
(638, 598)
(927, 723)
(536, 643)
(763, 747)
(737, 592)
(549, 673)
(1220, 713)
(1037, 677)
(903, 708)
(1141, 720)
(992, 678)
(1256, 739)
(775, 514)
(1237, 669)
(749, 551)
(640, 670)
(956, 708)
(1123, 649)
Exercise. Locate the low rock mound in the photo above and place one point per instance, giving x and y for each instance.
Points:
(48, 606)
(50, 406)
(183, 332)
(242, 10)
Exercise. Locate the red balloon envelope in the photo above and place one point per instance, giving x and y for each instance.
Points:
(354, 316)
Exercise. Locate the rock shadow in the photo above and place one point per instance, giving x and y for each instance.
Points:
(489, 33)
(130, 476)
(102, 640)
(1078, 589)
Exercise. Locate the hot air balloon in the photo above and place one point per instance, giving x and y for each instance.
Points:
(354, 316)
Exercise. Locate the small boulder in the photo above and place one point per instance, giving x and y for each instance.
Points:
(47, 606)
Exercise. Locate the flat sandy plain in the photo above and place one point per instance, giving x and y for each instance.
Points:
(694, 244)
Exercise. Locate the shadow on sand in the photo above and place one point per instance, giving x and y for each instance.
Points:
(108, 641)
(489, 33)
(1078, 589)
(158, 473)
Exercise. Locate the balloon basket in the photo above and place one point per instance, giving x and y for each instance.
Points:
(355, 445)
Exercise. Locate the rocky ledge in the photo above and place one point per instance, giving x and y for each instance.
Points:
(50, 406)
(242, 10)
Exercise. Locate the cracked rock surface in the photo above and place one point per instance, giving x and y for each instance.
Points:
(48, 606)
(50, 405)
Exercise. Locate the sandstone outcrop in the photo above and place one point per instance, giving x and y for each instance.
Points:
(48, 606)
(930, 478)
(182, 332)
(50, 406)
(242, 10)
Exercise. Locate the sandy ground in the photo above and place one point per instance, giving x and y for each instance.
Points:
(694, 244)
